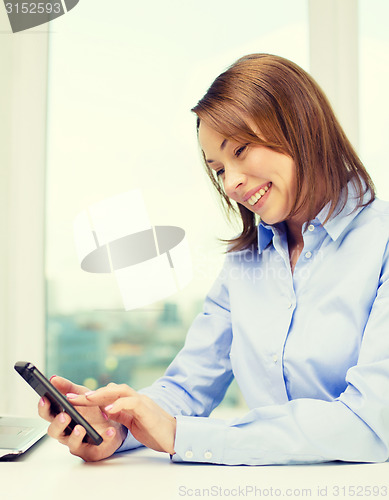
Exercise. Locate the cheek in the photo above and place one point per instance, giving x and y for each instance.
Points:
(232, 196)
(291, 180)
(228, 191)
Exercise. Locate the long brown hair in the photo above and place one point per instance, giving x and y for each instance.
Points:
(294, 118)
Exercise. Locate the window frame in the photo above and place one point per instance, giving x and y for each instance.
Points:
(23, 96)
(23, 104)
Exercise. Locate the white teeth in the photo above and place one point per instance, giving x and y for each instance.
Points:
(258, 195)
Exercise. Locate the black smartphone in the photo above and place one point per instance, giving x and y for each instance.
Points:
(58, 402)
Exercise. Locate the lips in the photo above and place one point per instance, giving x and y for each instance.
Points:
(250, 193)
(254, 195)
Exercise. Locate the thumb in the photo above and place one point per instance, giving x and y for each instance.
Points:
(122, 417)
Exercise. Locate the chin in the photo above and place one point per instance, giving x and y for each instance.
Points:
(270, 220)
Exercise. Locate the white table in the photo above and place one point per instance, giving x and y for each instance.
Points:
(50, 472)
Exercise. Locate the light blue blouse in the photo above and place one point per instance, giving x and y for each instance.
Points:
(309, 351)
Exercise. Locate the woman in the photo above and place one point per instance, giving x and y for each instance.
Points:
(300, 312)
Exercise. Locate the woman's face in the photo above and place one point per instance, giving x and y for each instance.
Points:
(257, 177)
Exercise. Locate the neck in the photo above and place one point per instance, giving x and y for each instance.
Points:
(294, 231)
(294, 224)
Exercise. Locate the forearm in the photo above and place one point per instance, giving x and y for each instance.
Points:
(301, 431)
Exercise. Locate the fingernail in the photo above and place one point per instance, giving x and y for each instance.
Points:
(76, 431)
(71, 395)
(109, 407)
(62, 418)
(41, 402)
(89, 393)
(110, 432)
(51, 378)
(104, 415)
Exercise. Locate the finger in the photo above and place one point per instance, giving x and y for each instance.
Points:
(124, 415)
(94, 453)
(108, 395)
(67, 386)
(44, 410)
(74, 441)
(131, 403)
(124, 410)
(57, 427)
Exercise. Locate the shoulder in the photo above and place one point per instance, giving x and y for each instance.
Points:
(372, 226)
(379, 207)
(375, 211)
(376, 216)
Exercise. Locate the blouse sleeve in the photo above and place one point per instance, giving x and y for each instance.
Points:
(354, 427)
(197, 379)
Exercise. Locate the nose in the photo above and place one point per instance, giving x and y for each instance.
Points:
(233, 182)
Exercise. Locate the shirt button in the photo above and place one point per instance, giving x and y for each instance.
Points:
(308, 255)
(208, 455)
(311, 227)
(275, 358)
(189, 454)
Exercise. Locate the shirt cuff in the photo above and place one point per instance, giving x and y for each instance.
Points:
(199, 439)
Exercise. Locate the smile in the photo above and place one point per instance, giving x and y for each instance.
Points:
(258, 195)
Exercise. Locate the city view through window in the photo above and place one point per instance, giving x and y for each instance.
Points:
(120, 119)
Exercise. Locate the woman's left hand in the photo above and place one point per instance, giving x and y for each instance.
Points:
(148, 422)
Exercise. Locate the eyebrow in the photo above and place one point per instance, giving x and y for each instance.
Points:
(222, 146)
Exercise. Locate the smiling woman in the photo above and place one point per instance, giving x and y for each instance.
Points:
(245, 173)
(134, 129)
(303, 333)
(272, 108)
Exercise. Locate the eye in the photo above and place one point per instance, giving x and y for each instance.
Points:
(219, 172)
(240, 150)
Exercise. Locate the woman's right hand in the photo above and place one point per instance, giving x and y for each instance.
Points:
(112, 432)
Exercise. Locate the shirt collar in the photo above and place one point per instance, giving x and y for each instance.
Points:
(265, 235)
(334, 227)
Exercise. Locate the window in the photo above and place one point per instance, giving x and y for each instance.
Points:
(374, 82)
(121, 85)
